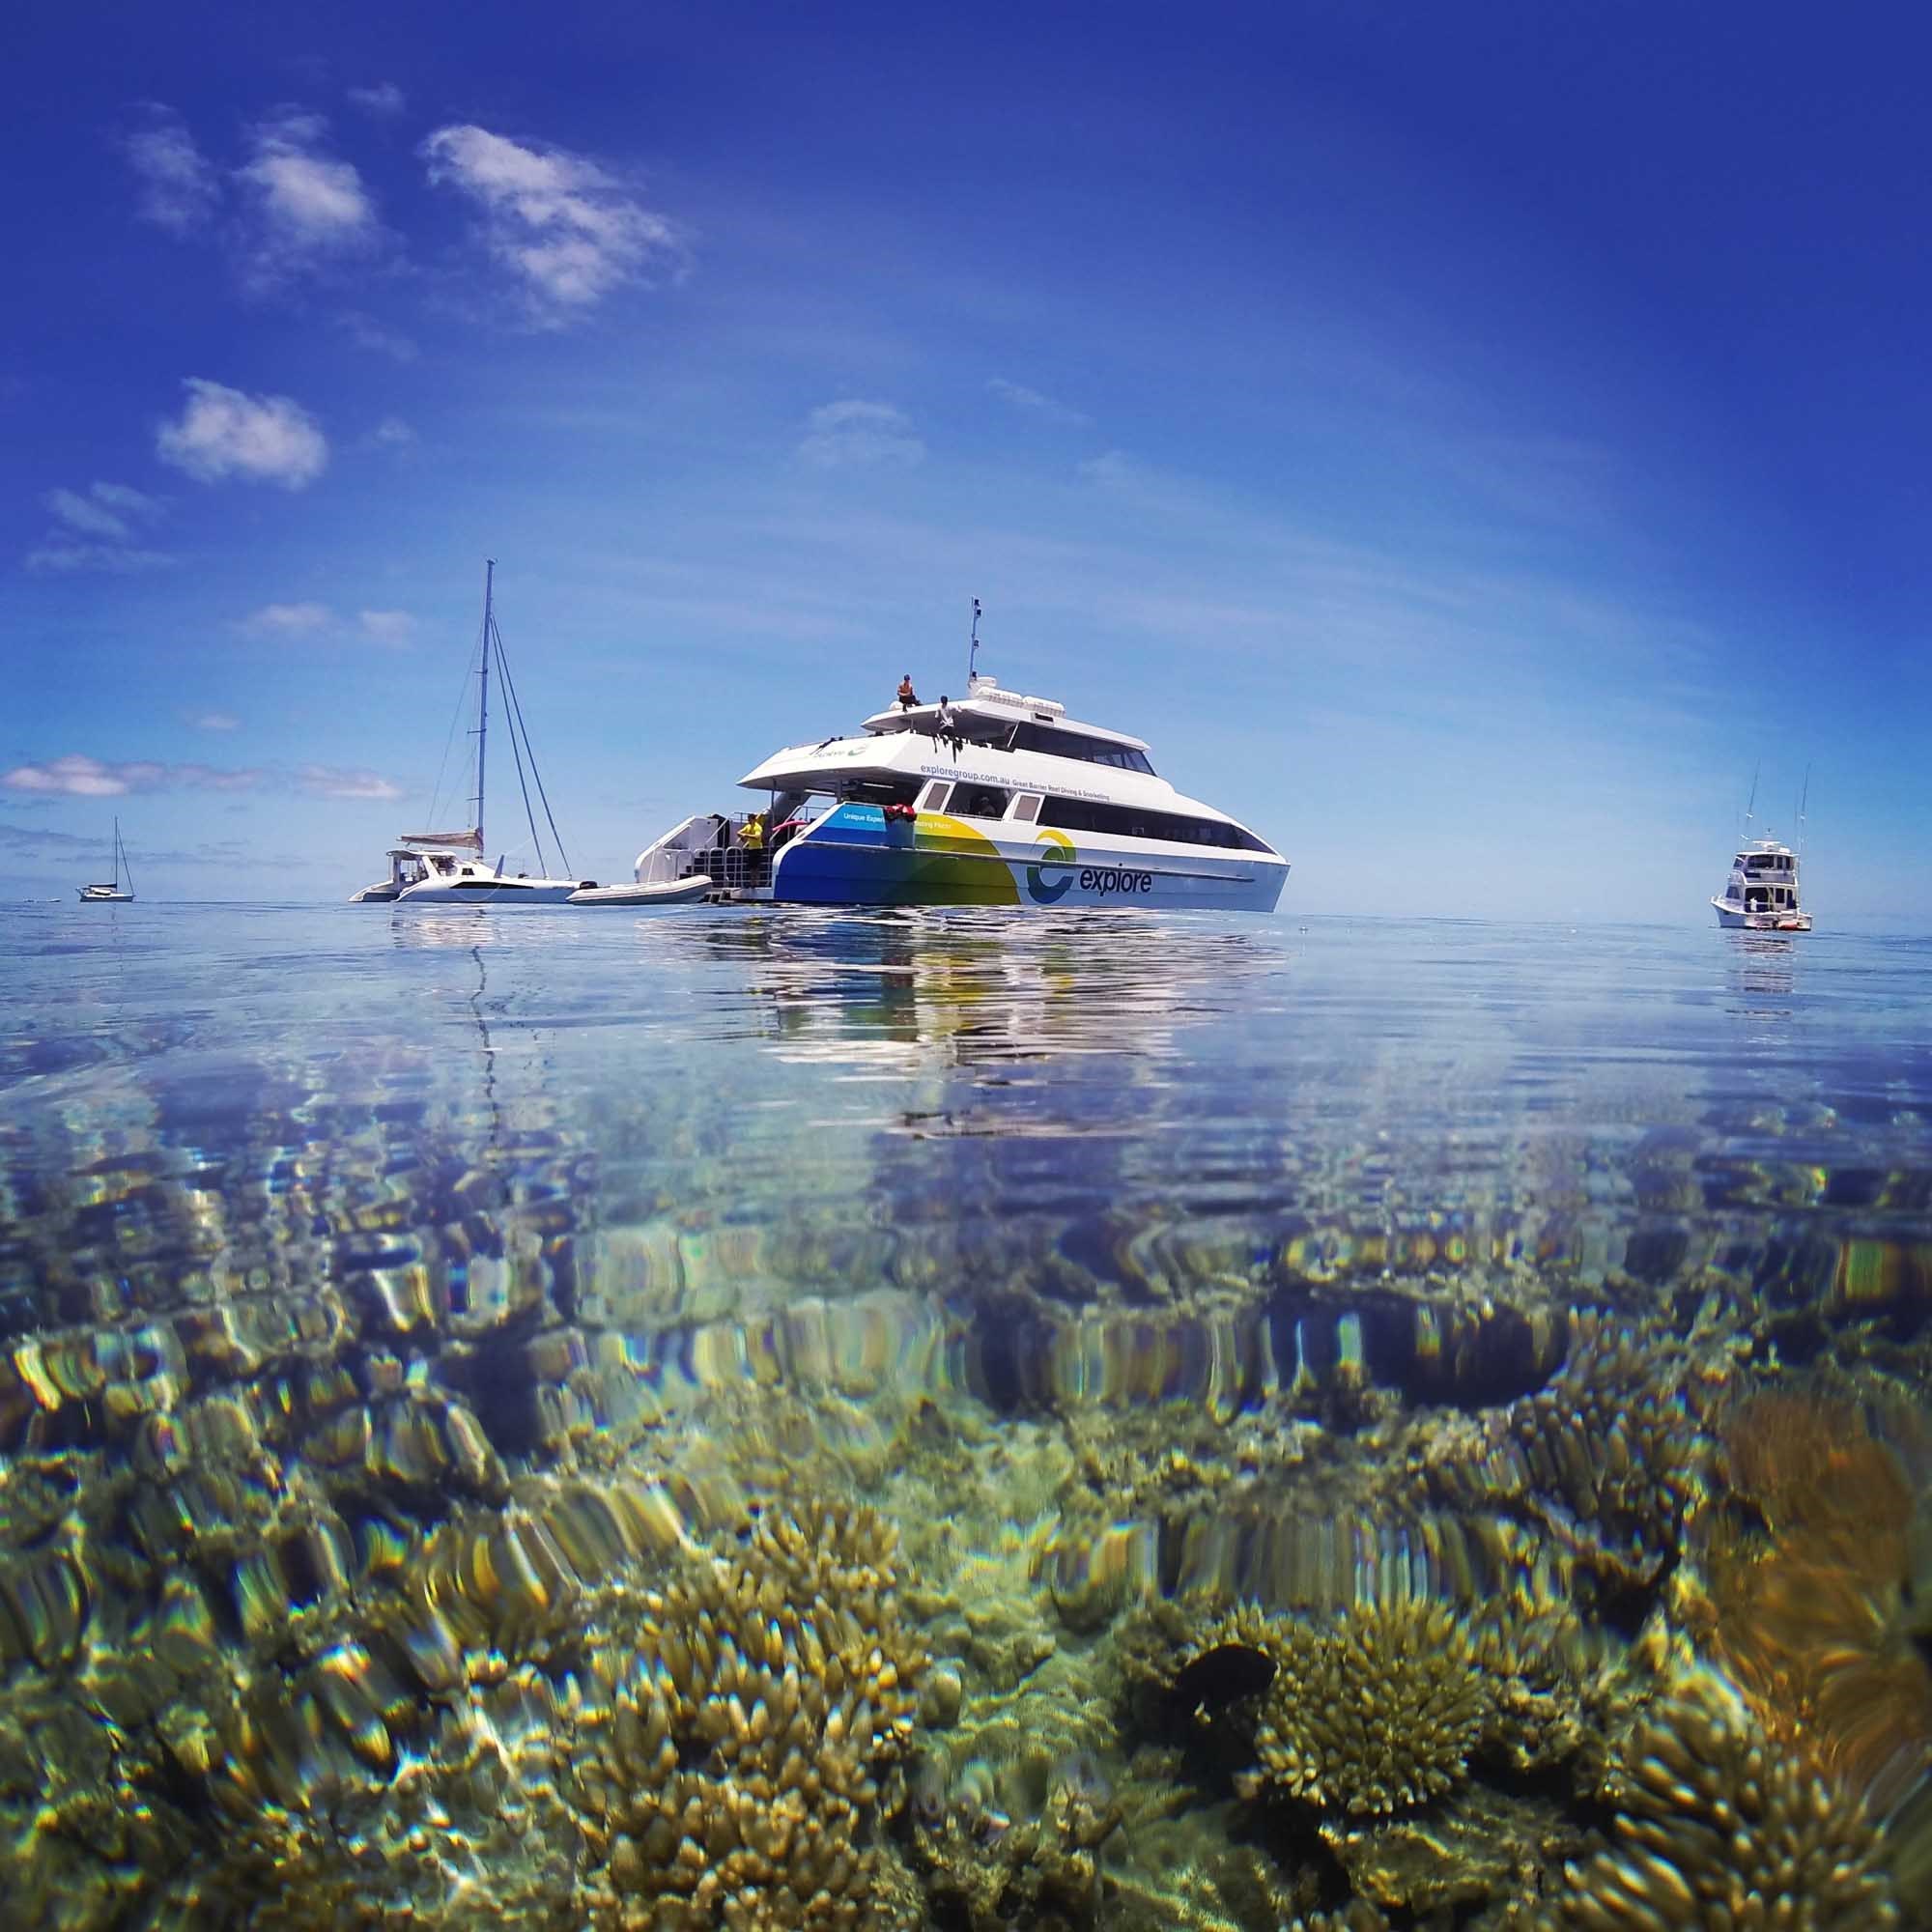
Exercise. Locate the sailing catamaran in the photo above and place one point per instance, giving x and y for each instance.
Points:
(112, 893)
(430, 868)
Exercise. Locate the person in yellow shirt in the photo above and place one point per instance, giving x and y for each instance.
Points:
(752, 837)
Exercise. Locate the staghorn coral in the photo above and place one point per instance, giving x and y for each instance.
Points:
(733, 1775)
(1722, 1827)
(1359, 1915)
(1608, 1457)
(1371, 1712)
(1805, 1607)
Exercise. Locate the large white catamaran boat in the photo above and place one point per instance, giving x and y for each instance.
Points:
(113, 893)
(443, 868)
(998, 798)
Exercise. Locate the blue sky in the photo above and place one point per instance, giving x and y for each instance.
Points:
(1458, 440)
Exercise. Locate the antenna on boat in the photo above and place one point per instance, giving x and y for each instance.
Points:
(483, 687)
(973, 655)
(1751, 807)
(1804, 799)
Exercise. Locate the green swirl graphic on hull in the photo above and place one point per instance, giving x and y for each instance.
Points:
(1039, 890)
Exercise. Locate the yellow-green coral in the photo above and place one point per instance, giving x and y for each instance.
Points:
(1372, 1712)
(735, 1780)
(1719, 1828)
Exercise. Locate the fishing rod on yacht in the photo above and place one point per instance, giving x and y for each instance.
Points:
(1803, 800)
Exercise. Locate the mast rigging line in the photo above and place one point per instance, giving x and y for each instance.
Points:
(516, 712)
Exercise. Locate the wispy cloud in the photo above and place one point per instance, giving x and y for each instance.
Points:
(394, 628)
(224, 432)
(175, 187)
(1034, 403)
(288, 620)
(851, 433)
(211, 720)
(569, 232)
(334, 782)
(306, 208)
(98, 528)
(386, 99)
(79, 775)
(366, 332)
(392, 432)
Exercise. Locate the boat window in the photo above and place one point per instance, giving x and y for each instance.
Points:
(933, 798)
(979, 802)
(1026, 807)
(1080, 814)
(880, 791)
(1060, 744)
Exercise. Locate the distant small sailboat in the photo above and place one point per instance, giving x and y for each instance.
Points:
(112, 893)
(428, 868)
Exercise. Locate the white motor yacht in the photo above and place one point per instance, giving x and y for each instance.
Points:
(113, 893)
(1761, 895)
(446, 868)
(998, 798)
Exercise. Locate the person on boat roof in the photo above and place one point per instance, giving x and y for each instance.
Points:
(908, 697)
(947, 725)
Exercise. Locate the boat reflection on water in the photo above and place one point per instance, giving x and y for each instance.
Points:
(1761, 977)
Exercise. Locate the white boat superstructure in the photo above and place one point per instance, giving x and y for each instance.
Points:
(442, 868)
(113, 893)
(999, 798)
(1761, 895)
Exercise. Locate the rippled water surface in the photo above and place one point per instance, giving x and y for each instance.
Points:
(389, 1305)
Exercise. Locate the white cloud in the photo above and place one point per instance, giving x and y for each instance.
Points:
(288, 620)
(77, 775)
(1036, 404)
(331, 782)
(392, 432)
(853, 434)
(1115, 470)
(211, 720)
(225, 433)
(566, 229)
(95, 530)
(65, 554)
(386, 99)
(307, 207)
(387, 627)
(83, 513)
(178, 187)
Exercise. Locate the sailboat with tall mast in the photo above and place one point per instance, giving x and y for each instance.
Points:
(448, 867)
(112, 893)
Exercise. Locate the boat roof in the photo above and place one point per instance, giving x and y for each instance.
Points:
(988, 701)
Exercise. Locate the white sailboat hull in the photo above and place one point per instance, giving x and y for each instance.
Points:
(496, 892)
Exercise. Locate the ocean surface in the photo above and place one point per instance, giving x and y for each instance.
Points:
(1127, 1269)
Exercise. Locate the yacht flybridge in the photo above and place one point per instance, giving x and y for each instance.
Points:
(1761, 895)
(997, 799)
(448, 867)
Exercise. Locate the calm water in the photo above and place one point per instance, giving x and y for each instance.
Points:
(971, 1218)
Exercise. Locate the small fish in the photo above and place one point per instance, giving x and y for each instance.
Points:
(1220, 1677)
